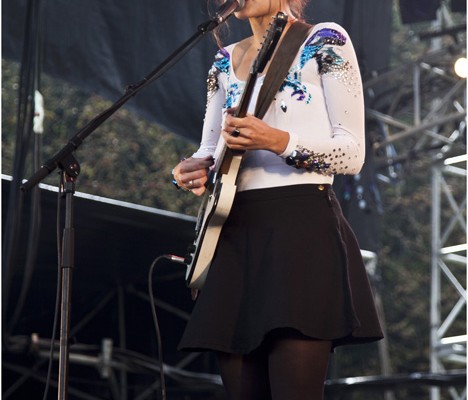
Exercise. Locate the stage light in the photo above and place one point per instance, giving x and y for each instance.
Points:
(461, 67)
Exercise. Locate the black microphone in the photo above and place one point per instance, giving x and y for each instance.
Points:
(227, 9)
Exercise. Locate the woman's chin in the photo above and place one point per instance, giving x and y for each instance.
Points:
(240, 15)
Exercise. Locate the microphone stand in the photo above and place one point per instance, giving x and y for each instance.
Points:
(70, 168)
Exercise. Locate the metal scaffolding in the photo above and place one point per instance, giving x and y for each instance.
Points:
(419, 115)
(448, 297)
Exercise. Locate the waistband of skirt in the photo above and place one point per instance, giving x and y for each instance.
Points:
(308, 189)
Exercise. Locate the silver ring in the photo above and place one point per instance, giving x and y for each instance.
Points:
(190, 183)
(235, 132)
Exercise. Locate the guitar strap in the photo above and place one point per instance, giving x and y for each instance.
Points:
(280, 64)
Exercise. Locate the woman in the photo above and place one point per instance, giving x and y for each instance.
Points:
(287, 283)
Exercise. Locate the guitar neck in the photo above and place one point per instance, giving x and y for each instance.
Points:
(226, 155)
(242, 108)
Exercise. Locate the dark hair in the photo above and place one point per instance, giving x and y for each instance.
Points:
(297, 8)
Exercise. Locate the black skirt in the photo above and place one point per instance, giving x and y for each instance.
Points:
(286, 258)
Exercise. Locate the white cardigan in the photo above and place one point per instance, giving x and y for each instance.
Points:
(320, 104)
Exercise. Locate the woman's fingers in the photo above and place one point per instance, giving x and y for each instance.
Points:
(199, 191)
(192, 173)
(232, 122)
(195, 164)
(251, 133)
(235, 142)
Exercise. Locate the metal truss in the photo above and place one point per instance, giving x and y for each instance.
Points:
(448, 292)
(417, 114)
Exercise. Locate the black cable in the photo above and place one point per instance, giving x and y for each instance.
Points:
(156, 327)
(32, 246)
(29, 83)
(12, 224)
(35, 215)
(155, 318)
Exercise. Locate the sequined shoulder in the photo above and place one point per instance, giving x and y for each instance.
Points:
(323, 45)
(222, 61)
(221, 64)
(322, 34)
(327, 33)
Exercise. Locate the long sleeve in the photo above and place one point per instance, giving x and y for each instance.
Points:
(344, 149)
(215, 104)
(320, 104)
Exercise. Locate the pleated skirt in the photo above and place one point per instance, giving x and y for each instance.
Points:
(286, 258)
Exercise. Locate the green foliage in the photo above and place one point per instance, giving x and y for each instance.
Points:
(405, 261)
(126, 158)
(10, 85)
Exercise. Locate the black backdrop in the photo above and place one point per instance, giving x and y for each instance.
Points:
(105, 45)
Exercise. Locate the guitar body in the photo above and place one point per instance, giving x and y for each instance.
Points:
(213, 213)
(221, 186)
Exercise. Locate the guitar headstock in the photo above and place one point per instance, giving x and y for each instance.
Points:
(270, 41)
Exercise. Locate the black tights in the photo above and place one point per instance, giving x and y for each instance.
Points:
(287, 366)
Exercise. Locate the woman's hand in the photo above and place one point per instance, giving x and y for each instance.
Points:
(192, 174)
(251, 133)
